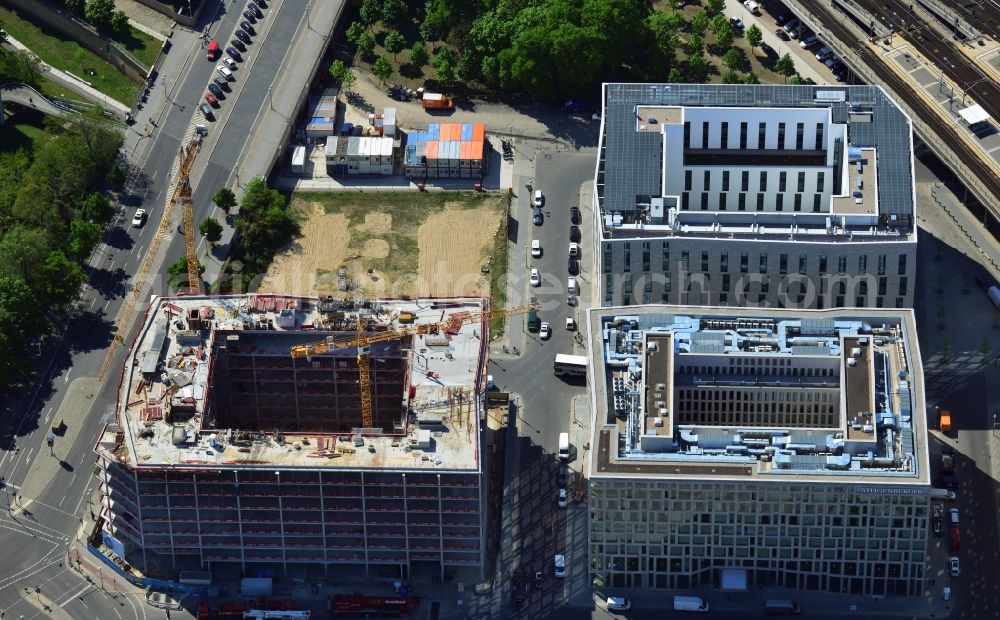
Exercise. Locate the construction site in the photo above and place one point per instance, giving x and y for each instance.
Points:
(298, 435)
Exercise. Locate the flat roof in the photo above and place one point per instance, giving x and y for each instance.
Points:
(803, 395)
(161, 410)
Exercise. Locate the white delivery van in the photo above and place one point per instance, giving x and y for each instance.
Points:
(690, 603)
(563, 446)
(560, 566)
(619, 603)
(781, 607)
(752, 6)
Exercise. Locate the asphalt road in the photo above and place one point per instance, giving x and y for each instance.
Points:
(33, 543)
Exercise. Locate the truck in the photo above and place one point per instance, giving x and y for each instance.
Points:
(780, 607)
(563, 446)
(944, 421)
(956, 539)
(948, 477)
(437, 101)
(690, 603)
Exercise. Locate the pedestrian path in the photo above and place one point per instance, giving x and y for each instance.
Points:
(29, 97)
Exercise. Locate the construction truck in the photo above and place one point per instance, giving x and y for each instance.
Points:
(948, 476)
(944, 421)
(437, 101)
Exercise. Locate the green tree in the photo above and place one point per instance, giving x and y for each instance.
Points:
(370, 12)
(22, 319)
(116, 176)
(83, 238)
(3, 33)
(785, 67)
(723, 31)
(699, 23)
(97, 208)
(418, 54)
(695, 45)
(225, 199)
(751, 78)
(75, 6)
(264, 225)
(177, 273)
(98, 12)
(716, 6)
(754, 36)
(796, 80)
(19, 66)
(444, 65)
(733, 59)
(664, 28)
(119, 22)
(62, 279)
(382, 69)
(13, 167)
(211, 230)
(697, 66)
(731, 77)
(22, 250)
(342, 75)
(354, 32)
(436, 22)
(394, 12)
(394, 43)
(675, 77)
(366, 43)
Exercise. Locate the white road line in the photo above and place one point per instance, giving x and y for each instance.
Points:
(153, 178)
(70, 598)
(66, 378)
(107, 304)
(47, 414)
(92, 302)
(139, 253)
(115, 609)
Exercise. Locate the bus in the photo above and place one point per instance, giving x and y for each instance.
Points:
(570, 365)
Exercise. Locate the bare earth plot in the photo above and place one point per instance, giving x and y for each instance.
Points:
(393, 244)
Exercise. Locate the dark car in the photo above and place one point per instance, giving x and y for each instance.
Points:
(245, 25)
(574, 233)
(563, 477)
(240, 45)
(255, 10)
(781, 19)
(250, 16)
(222, 83)
(242, 36)
(573, 267)
(574, 215)
(539, 580)
(938, 526)
(215, 90)
(206, 111)
(768, 50)
(262, 4)
(210, 98)
(781, 34)
(234, 54)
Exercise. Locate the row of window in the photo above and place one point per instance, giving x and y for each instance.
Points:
(762, 184)
(783, 142)
(722, 203)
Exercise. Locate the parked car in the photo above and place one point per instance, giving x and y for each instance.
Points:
(229, 62)
(790, 25)
(736, 22)
(253, 8)
(953, 516)
(248, 14)
(534, 279)
(562, 499)
(234, 54)
(222, 83)
(536, 248)
(206, 111)
(574, 215)
(242, 36)
(938, 526)
(831, 61)
(212, 100)
(570, 324)
(574, 233)
(539, 580)
(545, 331)
(824, 52)
(247, 28)
(539, 200)
(781, 34)
(752, 6)
(563, 477)
(226, 73)
(213, 50)
(768, 50)
(238, 45)
(573, 266)
(571, 285)
(139, 218)
(574, 249)
(953, 566)
(262, 3)
(215, 90)
(794, 33)
(781, 19)
(808, 40)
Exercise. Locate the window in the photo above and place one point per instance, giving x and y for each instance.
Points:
(704, 262)
(841, 265)
(820, 181)
(687, 134)
(761, 134)
(704, 201)
(862, 264)
(628, 258)
(902, 288)
(763, 181)
(763, 263)
(722, 202)
(684, 260)
(782, 177)
(817, 199)
(781, 135)
(725, 135)
(881, 265)
(645, 256)
(685, 200)
(687, 180)
(819, 135)
(725, 180)
(882, 285)
(797, 206)
(744, 262)
(822, 265)
(742, 202)
(745, 181)
(665, 258)
(779, 202)
(704, 135)
(800, 130)
(783, 264)
(802, 182)
(902, 264)
(802, 263)
(707, 180)
(725, 282)
(724, 262)
(607, 258)
(743, 136)
(760, 201)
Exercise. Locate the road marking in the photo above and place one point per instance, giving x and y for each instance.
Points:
(77, 594)
(107, 304)
(92, 302)
(47, 414)
(139, 253)
(153, 178)
(66, 378)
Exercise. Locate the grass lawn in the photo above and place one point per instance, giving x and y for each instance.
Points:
(70, 56)
(498, 276)
(23, 130)
(144, 47)
(53, 89)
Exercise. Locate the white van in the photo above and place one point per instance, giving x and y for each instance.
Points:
(752, 6)
(619, 603)
(560, 566)
(690, 603)
(563, 446)
(539, 200)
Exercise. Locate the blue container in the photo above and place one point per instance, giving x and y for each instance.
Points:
(466, 132)
(434, 131)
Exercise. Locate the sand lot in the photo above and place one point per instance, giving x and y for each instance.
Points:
(389, 244)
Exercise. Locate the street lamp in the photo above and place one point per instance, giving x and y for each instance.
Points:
(969, 87)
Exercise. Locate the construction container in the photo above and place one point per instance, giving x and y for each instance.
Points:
(389, 122)
(299, 160)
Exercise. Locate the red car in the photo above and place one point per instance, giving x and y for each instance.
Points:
(213, 50)
(956, 539)
(211, 99)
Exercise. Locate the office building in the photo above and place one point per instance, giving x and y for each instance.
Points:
(761, 448)
(753, 195)
(229, 452)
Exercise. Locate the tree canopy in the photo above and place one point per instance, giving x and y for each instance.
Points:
(264, 225)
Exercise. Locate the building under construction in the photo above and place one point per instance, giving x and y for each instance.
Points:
(245, 437)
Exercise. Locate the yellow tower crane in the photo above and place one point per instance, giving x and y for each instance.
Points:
(363, 341)
(182, 195)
